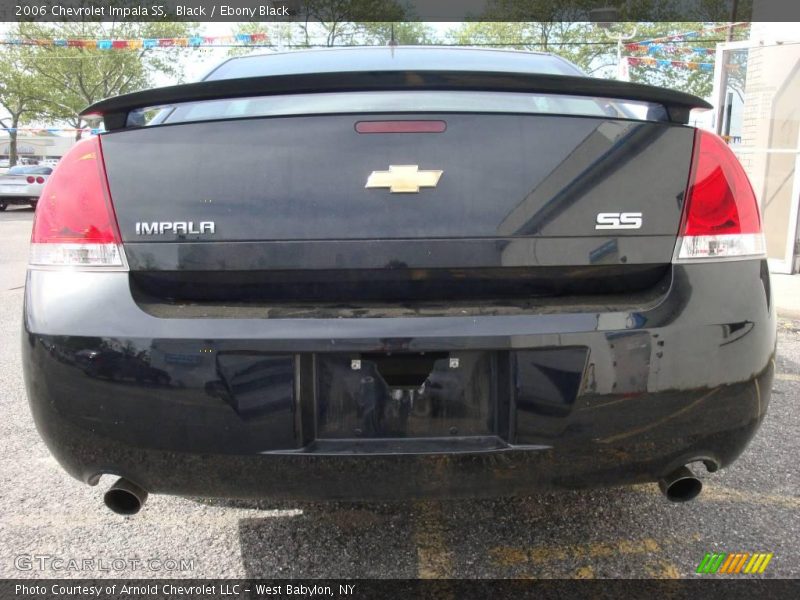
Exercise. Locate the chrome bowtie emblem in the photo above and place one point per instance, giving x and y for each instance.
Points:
(403, 178)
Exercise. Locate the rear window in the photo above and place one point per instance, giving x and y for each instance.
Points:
(30, 171)
(405, 102)
(431, 58)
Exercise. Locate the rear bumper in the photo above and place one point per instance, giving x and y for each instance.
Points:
(231, 406)
(18, 199)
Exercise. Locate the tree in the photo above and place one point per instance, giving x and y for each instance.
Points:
(278, 35)
(564, 28)
(404, 33)
(578, 42)
(21, 95)
(79, 76)
(345, 19)
(593, 48)
(682, 38)
(288, 35)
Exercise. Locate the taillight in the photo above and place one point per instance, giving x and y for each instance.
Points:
(30, 179)
(401, 126)
(74, 223)
(720, 216)
(39, 180)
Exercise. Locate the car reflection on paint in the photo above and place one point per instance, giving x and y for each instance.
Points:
(119, 366)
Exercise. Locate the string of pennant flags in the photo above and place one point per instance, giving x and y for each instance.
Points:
(649, 48)
(197, 41)
(89, 130)
(637, 61)
(687, 35)
(653, 45)
(667, 49)
(668, 45)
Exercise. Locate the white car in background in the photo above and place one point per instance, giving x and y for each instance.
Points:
(23, 185)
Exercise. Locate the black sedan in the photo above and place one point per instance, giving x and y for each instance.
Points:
(409, 272)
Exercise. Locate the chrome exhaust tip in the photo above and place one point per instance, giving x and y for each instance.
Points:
(125, 497)
(681, 485)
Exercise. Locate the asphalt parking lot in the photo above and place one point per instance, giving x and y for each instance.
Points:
(753, 506)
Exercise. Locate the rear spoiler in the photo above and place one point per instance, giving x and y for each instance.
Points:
(115, 111)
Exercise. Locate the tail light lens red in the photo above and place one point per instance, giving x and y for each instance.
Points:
(74, 223)
(30, 179)
(720, 216)
(40, 180)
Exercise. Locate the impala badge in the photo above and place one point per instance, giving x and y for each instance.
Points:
(174, 227)
(403, 178)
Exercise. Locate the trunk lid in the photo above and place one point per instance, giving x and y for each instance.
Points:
(514, 212)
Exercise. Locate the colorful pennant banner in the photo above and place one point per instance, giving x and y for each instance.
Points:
(647, 61)
(93, 131)
(658, 46)
(636, 61)
(653, 48)
(683, 36)
(142, 43)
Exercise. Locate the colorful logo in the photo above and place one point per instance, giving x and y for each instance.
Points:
(737, 562)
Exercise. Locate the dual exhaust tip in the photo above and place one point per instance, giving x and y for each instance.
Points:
(127, 498)
(681, 485)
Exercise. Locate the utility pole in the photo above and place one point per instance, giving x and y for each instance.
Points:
(723, 96)
(622, 68)
(605, 18)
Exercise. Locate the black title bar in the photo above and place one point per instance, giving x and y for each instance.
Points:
(399, 10)
(407, 589)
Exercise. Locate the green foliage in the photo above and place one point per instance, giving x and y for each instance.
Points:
(406, 33)
(593, 48)
(77, 77)
(292, 35)
(352, 11)
(21, 94)
(703, 11)
(626, 10)
(697, 82)
(278, 35)
(343, 21)
(579, 43)
(546, 10)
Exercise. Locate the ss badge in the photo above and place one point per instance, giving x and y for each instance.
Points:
(618, 220)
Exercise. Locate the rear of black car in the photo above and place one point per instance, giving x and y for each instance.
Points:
(398, 281)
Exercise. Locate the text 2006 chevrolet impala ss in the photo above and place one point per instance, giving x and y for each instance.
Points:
(388, 272)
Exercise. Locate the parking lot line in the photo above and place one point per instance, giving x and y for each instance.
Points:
(539, 560)
(434, 559)
(540, 555)
(787, 376)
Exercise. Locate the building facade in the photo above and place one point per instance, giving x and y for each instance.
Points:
(757, 97)
(36, 146)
